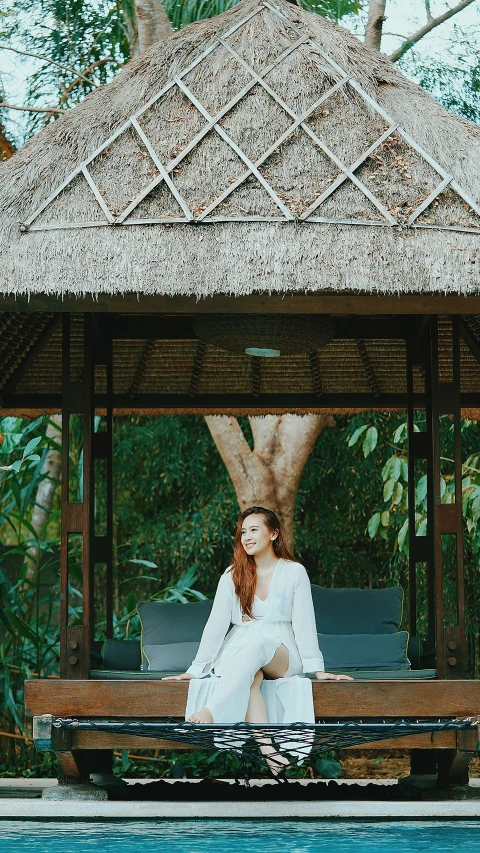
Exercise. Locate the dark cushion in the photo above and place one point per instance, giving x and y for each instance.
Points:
(348, 652)
(357, 611)
(121, 654)
(414, 652)
(127, 675)
(174, 657)
(165, 622)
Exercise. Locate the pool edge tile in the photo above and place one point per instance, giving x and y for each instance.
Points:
(18, 809)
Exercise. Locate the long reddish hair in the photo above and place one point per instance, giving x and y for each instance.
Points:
(243, 568)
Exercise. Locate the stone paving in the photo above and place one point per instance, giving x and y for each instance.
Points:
(30, 799)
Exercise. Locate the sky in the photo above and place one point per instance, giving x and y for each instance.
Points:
(403, 18)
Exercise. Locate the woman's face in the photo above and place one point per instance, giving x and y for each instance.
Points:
(256, 537)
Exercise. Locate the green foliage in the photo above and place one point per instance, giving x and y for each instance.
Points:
(389, 521)
(328, 767)
(86, 37)
(182, 510)
(182, 14)
(455, 82)
(28, 632)
(471, 500)
(337, 493)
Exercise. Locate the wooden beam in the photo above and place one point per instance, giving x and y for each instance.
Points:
(107, 740)
(160, 327)
(218, 402)
(28, 405)
(333, 700)
(156, 327)
(281, 303)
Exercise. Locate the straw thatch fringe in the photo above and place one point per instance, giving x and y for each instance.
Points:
(242, 257)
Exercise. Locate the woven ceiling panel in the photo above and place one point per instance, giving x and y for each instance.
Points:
(188, 367)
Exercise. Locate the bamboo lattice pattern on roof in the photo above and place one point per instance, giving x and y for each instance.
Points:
(289, 135)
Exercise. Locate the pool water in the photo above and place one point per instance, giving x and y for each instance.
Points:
(233, 836)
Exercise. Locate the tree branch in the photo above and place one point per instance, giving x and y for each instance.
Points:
(248, 471)
(427, 28)
(69, 89)
(80, 74)
(51, 110)
(263, 431)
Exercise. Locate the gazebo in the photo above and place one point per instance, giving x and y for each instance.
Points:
(259, 215)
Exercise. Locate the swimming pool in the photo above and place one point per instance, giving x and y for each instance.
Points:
(233, 836)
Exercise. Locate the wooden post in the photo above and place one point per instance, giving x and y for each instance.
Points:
(439, 364)
(420, 450)
(75, 502)
(102, 451)
(447, 517)
(444, 644)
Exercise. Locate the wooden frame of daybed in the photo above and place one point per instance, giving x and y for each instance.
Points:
(75, 695)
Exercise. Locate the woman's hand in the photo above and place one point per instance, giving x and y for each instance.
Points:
(185, 676)
(330, 676)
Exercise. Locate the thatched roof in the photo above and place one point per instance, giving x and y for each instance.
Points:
(266, 149)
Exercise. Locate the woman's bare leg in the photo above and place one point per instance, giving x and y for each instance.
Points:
(278, 666)
(257, 712)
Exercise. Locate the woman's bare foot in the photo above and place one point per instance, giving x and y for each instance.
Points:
(274, 759)
(203, 716)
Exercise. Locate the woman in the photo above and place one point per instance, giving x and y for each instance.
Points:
(267, 597)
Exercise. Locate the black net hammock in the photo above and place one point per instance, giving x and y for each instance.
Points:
(293, 741)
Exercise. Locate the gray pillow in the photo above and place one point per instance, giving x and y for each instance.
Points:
(351, 652)
(172, 657)
(166, 622)
(357, 611)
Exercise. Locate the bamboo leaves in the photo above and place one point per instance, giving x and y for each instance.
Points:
(370, 438)
(28, 616)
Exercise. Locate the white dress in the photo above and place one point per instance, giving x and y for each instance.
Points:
(227, 660)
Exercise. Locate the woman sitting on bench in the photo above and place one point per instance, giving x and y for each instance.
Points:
(267, 598)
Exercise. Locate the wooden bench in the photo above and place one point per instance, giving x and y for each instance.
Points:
(80, 752)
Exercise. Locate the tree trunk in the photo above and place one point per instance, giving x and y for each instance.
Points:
(268, 475)
(153, 24)
(376, 17)
(52, 468)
